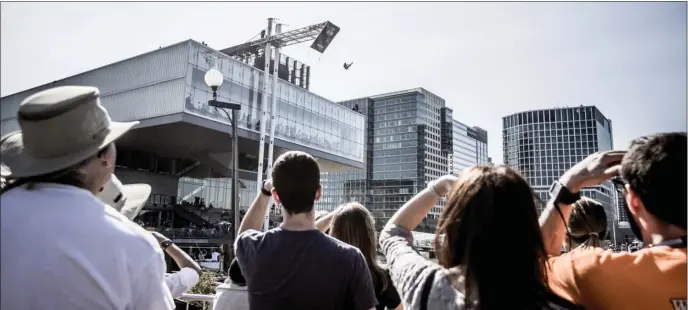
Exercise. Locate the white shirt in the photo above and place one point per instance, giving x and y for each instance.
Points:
(230, 297)
(181, 281)
(62, 248)
(215, 256)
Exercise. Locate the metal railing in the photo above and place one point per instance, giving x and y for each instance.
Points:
(190, 233)
(206, 300)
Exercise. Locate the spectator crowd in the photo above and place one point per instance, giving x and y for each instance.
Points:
(69, 240)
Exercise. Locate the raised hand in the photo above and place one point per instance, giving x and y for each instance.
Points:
(593, 170)
(444, 184)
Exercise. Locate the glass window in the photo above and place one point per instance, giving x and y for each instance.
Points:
(246, 76)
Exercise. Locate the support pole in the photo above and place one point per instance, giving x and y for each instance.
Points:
(264, 101)
(614, 230)
(615, 221)
(235, 173)
(273, 119)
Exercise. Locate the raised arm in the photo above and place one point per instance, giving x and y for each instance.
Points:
(408, 269)
(323, 223)
(255, 215)
(413, 211)
(181, 258)
(591, 171)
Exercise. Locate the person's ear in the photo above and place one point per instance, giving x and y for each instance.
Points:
(318, 193)
(635, 205)
(275, 197)
(107, 159)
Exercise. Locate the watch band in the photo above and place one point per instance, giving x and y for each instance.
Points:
(165, 244)
(265, 191)
(561, 194)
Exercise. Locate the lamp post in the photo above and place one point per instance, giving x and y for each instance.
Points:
(213, 78)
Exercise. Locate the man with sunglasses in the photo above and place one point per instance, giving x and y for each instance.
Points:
(652, 178)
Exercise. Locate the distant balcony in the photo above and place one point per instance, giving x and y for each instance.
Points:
(182, 234)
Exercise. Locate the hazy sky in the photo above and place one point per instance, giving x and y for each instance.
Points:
(487, 60)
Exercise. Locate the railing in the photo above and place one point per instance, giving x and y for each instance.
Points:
(205, 214)
(206, 300)
(186, 233)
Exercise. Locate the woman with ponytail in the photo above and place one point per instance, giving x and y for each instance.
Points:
(587, 224)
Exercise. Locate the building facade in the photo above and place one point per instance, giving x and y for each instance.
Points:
(409, 142)
(182, 146)
(543, 144)
(469, 147)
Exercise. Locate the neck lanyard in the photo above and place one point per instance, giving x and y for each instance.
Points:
(674, 243)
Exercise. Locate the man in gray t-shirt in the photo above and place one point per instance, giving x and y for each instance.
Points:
(295, 266)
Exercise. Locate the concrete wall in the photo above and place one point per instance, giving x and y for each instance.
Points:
(161, 183)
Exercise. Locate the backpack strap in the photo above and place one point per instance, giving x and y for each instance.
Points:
(425, 293)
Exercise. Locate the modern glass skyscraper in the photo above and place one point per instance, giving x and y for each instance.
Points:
(469, 147)
(543, 144)
(409, 142)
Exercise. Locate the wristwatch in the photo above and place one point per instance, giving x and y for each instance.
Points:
(265, 191)
(562, 195)
(165, 244)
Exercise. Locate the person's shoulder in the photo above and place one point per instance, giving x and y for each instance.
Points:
(254, 234)
(333, 247)
(593, 258)
(130, 236)
(339, 245)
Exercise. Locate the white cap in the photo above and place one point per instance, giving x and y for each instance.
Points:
(127, 199)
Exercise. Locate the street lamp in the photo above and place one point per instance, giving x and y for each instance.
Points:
(213, 78)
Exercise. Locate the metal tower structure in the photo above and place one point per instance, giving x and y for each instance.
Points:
(321, 34)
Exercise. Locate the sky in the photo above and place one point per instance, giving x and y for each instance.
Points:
(487, 60)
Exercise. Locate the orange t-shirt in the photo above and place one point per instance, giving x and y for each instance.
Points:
(649, 279)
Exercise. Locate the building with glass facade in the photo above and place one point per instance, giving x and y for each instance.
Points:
(624, 232)
(543, 144)
(409, 142)
(182, 146)
(469, 147)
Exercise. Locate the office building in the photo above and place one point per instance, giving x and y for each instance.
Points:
(543, 144)
(469, 147)
(623, 228)
(409, 142)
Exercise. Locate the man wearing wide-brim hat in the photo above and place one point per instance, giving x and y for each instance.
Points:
(61, 248)
(128, 200)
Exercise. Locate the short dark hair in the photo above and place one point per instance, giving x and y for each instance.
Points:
(655, 169)
(235, 274)
(296, 178)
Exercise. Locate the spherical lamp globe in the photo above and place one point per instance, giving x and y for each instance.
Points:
(213, 78)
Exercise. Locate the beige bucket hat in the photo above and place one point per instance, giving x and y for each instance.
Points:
(60, 127)
(127, 199)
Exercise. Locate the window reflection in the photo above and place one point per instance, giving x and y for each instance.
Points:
(302, 117)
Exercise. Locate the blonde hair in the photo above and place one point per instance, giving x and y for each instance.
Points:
(352, 223)
(587, 223)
